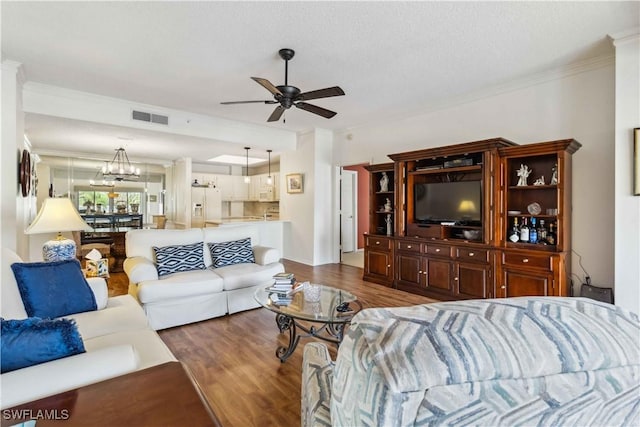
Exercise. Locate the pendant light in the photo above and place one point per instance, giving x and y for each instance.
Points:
(247, 180)
(269, 179)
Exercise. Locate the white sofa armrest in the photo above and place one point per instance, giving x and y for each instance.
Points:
(46, 379)
(140, 269)
(265, 255)
(99, 287)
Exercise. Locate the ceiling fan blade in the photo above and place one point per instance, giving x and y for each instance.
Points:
(277, 113)
(327, 114)
(248, 102)
(321, 93)
(267, 85)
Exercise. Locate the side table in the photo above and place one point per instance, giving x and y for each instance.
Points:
(165, 394)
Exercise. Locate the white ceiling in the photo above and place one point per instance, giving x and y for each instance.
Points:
(393, 59)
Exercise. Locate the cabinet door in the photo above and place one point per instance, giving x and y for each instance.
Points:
(239, 187)
(409, 270)
(472, 280)
(225, 186)
(520, 283)
(377, 266)
(438, 278)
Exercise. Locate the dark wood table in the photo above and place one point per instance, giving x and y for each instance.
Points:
(163, 395)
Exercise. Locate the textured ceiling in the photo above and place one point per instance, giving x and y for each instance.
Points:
(392, 59)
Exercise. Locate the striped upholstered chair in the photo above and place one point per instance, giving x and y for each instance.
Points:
(515, 361)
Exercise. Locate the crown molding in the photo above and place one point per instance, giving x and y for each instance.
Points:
(632, 34)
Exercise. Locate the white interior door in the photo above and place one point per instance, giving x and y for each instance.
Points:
(348, 210)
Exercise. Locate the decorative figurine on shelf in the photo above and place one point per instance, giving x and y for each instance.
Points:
(387, 206)
(554, 177)
(539, 181)
(384, 183)
(523, 173)
(389, 224)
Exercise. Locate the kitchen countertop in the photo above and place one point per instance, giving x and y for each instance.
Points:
(241, 219)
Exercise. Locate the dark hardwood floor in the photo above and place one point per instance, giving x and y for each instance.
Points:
(233, 357)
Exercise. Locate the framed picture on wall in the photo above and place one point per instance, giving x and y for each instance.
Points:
(636, 161)
(294, 183)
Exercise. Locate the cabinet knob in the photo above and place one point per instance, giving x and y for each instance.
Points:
(525, 260)
(408, 246)
(471, 254)
(419, 271)
(455, 278)
(388, 265)
(425, 273)
(377, 243)
(437, 250)
(503, 287)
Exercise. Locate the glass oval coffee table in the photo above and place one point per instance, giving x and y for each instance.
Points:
(333, 309)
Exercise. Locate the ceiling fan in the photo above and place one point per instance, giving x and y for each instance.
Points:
(288, 96)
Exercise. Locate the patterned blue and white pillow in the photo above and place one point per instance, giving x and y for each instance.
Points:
(234, 252)
(174, 259)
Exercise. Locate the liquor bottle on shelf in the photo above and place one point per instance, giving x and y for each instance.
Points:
(533, 232)
(542, 233)
(551, 234)
(524, 231)
(514, 234)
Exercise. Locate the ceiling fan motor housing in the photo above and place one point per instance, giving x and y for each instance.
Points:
(289, 94)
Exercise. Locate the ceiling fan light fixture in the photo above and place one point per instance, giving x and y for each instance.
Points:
(247, 180)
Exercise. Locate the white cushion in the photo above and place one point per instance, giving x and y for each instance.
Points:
(187, 283)
(140, 242)
(10, 299)
(149, 347)
(123, 313)
(228, 234)
(37, 381)
(100, 291)
(246, 275)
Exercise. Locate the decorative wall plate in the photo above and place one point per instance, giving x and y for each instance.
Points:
(534, 208)
(25, 173)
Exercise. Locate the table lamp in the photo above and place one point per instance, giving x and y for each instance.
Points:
(57, 215)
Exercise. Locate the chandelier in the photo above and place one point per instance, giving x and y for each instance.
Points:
(120, 168)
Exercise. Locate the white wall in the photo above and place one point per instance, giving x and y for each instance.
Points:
(13, 206)
(627, 206)
(299, 207)
(576, 105)
(324, 242)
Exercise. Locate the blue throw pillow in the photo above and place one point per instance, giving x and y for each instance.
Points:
(53, 289)
(32, 341)
(174, 259)
(230, 253)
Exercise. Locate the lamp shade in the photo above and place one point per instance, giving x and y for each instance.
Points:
(55, 216)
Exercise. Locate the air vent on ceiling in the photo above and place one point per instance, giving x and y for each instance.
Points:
(151, 118)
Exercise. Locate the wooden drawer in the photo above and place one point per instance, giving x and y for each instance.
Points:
(378, 242)
(527, 260)
(409, 246)
(439, 250)
(471, 254)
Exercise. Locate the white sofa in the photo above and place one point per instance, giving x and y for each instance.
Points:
(117, 339)
(192, 296)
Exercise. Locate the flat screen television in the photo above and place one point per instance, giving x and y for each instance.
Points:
(459, 201)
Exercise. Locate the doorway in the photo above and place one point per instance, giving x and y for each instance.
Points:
(354, 202)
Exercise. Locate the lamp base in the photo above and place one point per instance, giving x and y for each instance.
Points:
(59, 250)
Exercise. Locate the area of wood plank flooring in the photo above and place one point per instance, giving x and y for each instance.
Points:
(233, 357)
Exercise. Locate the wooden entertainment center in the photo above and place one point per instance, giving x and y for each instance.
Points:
(473, 251)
